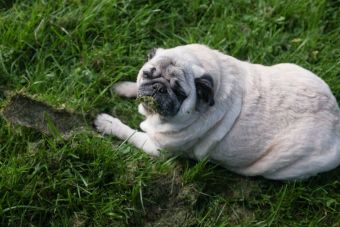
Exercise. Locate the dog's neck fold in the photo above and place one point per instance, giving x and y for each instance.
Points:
(180, 133)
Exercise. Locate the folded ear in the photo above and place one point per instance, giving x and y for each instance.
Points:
(153, 52)
(205, 89)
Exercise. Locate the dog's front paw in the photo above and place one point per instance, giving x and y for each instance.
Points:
(107, 124)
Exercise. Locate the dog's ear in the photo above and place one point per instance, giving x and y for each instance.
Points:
(151, 53)
(205, 89)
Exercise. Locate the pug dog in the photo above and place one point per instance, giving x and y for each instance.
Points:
(280, 121)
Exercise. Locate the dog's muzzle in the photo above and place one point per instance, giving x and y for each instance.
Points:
(163, 100)
(151, 89)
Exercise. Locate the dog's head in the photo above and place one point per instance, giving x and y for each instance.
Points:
(175, 82)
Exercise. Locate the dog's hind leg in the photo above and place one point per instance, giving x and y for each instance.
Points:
(126, 89)
(302, 150)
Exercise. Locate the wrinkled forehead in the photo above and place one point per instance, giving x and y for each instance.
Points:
(165, 66)
(162, 61)
(165, 63)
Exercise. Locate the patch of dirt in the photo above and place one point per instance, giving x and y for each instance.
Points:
(28, 112)
(167, 203)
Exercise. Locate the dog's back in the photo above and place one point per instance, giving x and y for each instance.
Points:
(288, 127)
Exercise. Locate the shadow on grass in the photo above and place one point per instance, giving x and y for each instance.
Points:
(220, 196)
(6, 4)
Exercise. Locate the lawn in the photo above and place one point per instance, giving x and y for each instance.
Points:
(69, 53)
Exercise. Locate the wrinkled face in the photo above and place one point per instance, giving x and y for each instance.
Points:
(169, 84)
(164, 83)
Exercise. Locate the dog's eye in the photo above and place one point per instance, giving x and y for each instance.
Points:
(162, 90)
(178, 90)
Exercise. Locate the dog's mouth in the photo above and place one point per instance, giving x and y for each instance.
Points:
(148, 102)
(160, 98)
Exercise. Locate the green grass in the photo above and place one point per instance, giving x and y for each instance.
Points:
(70, 53)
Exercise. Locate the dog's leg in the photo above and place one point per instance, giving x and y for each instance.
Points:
(109, 125)
(126, 89)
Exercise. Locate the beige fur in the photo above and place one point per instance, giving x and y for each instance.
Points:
(280, 121)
